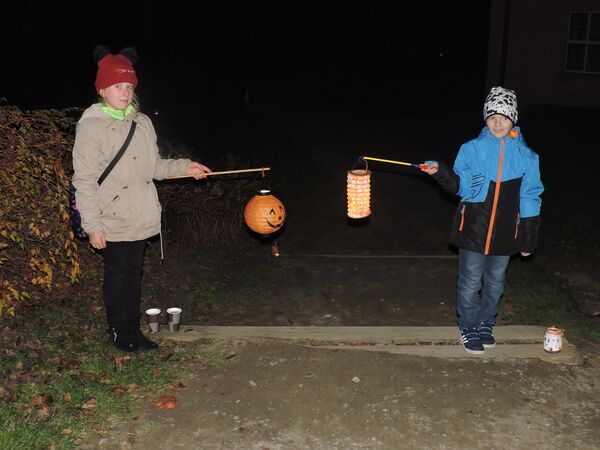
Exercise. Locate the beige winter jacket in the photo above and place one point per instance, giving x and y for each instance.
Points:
(126, 205)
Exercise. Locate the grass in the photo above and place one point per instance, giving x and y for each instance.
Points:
(58, 380)
(537, 298)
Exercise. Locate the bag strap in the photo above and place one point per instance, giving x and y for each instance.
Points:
(117, 157)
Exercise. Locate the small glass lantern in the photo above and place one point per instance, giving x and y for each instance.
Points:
(359, 193)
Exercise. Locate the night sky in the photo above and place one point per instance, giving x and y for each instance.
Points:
(346, 55)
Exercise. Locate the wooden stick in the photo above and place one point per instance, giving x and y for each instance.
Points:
(220, 173)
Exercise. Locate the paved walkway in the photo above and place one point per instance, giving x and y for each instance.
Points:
(513, 342)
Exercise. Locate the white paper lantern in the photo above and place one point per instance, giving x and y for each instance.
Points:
(359, 193)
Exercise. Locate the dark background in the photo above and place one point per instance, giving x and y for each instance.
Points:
(351, 56)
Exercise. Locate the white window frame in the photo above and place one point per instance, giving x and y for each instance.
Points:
(585, 42)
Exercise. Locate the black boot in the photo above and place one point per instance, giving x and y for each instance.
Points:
(142, 341)
(123, 340)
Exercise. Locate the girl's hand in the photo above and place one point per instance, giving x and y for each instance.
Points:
(198, 170)
(98, 240)
(525, 254)
(430, 168)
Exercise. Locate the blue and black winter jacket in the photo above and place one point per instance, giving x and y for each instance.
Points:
(498, 181)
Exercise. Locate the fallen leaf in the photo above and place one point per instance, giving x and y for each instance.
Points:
(119, 390)
(119, 360)
(131, 435)
(90, 406)
(86, 376)
(104, 379)
(166, 356)
(43, 412)
(178, 387)
(33, 344)
(166, 402)
(56, 360)
(42, 400)
(67, 396)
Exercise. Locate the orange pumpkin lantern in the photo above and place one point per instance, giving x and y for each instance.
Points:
(264, 213)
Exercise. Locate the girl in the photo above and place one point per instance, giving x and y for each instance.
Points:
(122, 212)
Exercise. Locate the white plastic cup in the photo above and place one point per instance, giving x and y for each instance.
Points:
(153, 317)
(174, 315)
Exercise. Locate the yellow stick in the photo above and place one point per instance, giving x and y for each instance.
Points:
(387, 161)
(220, 173)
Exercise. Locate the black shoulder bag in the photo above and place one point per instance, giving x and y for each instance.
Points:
(75, 216)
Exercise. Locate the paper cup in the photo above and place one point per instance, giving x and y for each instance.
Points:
(174, 315)
(153, 316)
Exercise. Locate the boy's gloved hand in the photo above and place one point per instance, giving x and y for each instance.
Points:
(430, 167)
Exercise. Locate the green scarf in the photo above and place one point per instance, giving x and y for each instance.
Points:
(117, 114)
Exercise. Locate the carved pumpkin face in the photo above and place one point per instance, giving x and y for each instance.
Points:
(264, 213)
(276, 216)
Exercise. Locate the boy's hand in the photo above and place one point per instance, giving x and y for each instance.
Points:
(430, 168)
(525, 254)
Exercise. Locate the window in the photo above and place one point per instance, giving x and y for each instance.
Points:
(583, 44)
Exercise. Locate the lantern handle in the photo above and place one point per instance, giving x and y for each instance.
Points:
(359, 161)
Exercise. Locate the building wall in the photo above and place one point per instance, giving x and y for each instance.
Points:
(536, 41)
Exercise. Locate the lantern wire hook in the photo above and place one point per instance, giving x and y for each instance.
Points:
(361, 160)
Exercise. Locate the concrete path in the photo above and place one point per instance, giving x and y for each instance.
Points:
(513, 342)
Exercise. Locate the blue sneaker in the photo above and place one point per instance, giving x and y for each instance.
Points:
(485, 335)
(469, 337)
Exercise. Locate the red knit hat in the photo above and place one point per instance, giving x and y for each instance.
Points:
(113, 69)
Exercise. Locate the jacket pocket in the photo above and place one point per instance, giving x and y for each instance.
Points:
(115, 213)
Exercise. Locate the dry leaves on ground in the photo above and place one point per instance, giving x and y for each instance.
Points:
(118, 390)
(90, 406)
(166, 402)
(119, 361)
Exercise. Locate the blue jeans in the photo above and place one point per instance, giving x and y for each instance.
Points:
(480, 286)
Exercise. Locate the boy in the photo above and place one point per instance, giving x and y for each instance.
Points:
(497, 177)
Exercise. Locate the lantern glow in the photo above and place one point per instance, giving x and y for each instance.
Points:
(359, 193)
(264, 213)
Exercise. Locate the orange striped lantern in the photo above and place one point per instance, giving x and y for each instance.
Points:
(359, 193)
(264, 213)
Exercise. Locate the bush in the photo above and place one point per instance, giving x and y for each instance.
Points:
(38, 253)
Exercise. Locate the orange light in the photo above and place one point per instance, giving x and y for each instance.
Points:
(264, 213)
(359, 193)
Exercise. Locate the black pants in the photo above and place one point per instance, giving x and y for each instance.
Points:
(122, 287)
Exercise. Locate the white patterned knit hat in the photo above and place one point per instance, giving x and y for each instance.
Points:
(501, 101)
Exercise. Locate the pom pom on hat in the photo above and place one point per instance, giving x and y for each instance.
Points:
(113, 69)
(501, 101)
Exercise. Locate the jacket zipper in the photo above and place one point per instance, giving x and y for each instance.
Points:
(462, 218)
(517, 225)
(496, 195)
